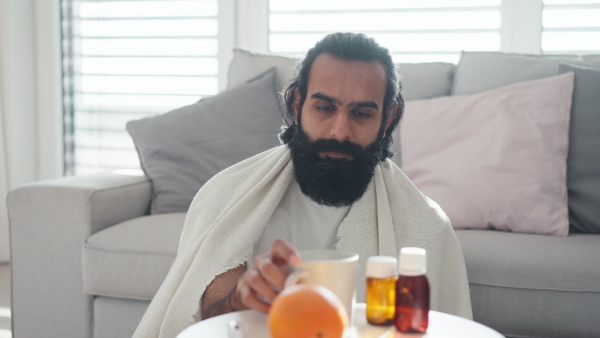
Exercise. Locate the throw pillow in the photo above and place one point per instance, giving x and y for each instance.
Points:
(591, 60)
(419, 80)
(180, 150)
(246, 65)
(494, 160)
(481, 71)
(425, 80)
(583, 165)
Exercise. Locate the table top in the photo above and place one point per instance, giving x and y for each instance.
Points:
(253, 324)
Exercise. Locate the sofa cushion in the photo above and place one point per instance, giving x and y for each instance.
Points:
(131, 259)
(246, 65)
(426, 80)
(511, 274)
(480, 71)
(181, 150)
(583, 165)
(467, 153)
(419, 80)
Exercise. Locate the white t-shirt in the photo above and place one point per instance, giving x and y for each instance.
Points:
(302, 222)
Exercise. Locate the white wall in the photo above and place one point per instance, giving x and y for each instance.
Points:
(30, 110)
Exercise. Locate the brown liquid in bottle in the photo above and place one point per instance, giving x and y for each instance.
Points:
(381, 300)
(412, 304)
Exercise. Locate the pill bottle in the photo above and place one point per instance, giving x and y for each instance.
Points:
(412, 291)
(381, 289)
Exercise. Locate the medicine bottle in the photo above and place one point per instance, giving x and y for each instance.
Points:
(412, 292)
(381, 284)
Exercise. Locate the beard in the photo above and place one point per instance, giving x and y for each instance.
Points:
(335, 182)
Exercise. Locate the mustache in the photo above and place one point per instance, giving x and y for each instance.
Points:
(321, 145)
(345, 147)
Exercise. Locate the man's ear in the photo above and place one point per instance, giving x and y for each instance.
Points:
(391, 116)
(296, 104)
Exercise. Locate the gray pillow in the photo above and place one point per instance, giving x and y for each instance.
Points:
(180, 150)
(419, 80)
(246, 65)
(592, 60)
(583, 162)
(426, 80)
(481, 71)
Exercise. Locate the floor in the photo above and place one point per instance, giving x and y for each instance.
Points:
(5, 301)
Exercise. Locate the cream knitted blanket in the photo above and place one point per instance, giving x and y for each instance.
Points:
(230, 212)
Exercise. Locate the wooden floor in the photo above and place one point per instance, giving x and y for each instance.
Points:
(5, 301)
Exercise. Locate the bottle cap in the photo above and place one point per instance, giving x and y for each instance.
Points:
(413, 261)
(381, 267)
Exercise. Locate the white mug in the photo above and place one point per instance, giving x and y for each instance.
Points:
(333, 269)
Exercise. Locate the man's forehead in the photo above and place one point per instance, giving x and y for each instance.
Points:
(337, 77)
(327, 61)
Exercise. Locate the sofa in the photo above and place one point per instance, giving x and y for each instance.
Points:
(88, 253)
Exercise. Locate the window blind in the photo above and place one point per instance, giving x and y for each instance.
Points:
(571, 27)
(414, 31)
(125, 60)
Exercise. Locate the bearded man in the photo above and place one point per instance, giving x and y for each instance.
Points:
(331, 185)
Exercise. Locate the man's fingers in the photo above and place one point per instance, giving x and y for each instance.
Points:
(258, 285)
(283, 252)
(251, 300)
(273, 274)
(261, 286)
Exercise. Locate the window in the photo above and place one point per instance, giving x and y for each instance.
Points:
(571, 27)
(414, 31)
(128, 59)
(125, 60)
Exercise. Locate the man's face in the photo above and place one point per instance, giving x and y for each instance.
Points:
(344, 101)
(337, 146)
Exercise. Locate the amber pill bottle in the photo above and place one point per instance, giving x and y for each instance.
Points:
(381, 289)
(412, 292)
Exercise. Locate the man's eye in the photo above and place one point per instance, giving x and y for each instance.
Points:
(325, 108)
(362, 115)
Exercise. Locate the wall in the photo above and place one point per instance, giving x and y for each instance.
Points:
(30, 110)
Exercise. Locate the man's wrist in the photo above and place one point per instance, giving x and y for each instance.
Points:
(230, 303)
(234, 300)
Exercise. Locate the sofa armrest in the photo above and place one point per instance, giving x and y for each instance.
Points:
(49, 222)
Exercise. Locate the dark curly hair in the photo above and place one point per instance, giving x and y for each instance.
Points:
(351, 47)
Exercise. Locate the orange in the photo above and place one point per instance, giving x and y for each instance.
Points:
(307, 311)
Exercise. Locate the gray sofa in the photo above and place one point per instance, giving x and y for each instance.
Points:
(88, 253)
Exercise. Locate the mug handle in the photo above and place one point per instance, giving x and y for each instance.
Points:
(296, 276)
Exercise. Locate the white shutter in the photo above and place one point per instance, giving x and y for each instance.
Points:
(126, 60)
(414, 31)
(571, 27)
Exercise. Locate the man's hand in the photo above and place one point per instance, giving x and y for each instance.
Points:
(259, 285)
(238, 289)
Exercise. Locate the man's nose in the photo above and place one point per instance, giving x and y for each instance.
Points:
(340, 128)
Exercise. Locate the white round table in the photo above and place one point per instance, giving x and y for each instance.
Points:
(253, 324)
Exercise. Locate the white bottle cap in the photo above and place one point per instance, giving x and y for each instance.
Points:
(413, 261)
(381, 267)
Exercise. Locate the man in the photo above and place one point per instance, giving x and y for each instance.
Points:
(330, 186)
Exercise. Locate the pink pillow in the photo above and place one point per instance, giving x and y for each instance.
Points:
(496, 159)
